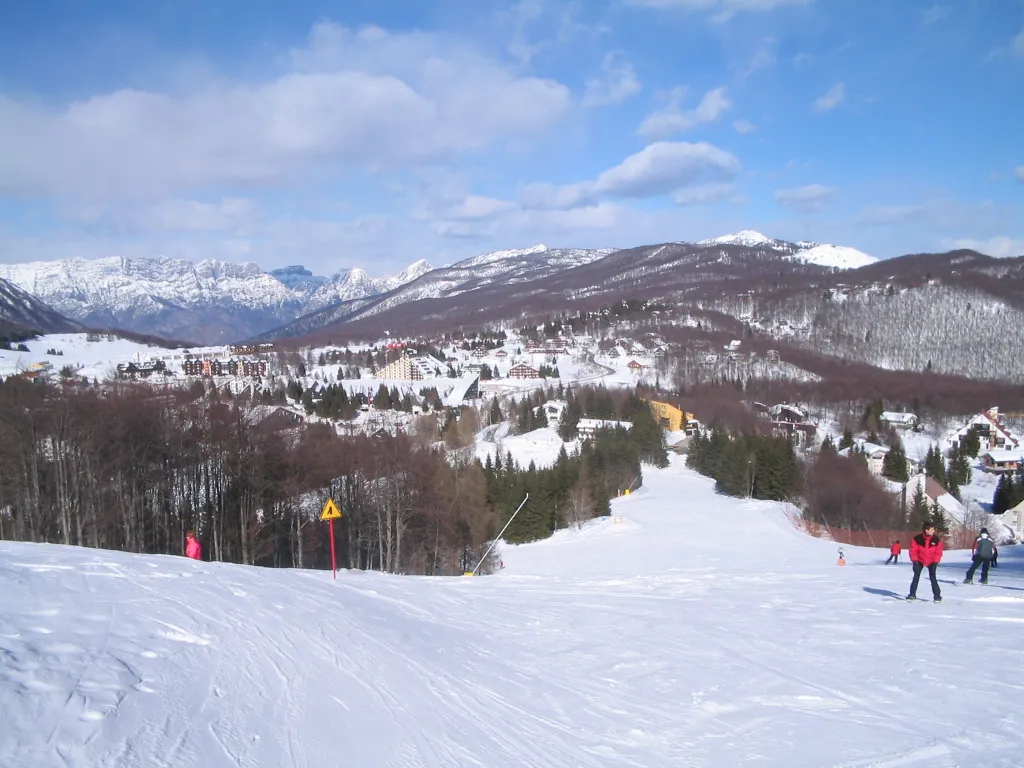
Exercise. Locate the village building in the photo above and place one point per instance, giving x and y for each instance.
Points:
(140, 370)
(936, 495)
(669, 416)
(408, 368)
(589, 427)
(992, 432)
(466, 390)
(1002, 460)
(635, 366)
(1014, 519)
(523, 371)
(898, 420)
(875, 454)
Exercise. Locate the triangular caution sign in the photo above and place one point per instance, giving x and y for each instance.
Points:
(331, 511)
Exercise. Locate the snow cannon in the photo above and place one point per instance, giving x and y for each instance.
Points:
(468, 573)
(842, 557)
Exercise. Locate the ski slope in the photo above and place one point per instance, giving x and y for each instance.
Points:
(686, 630)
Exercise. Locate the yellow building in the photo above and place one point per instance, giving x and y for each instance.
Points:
(669, 416)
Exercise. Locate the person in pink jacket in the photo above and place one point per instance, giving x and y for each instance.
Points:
(193, 548)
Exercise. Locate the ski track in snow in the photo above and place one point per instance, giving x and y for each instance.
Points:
(687, 629)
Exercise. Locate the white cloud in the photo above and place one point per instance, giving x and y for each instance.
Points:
(762, 58)
(172, 215)
(353, 100)
(831, 99)
(1019, 173)
(999, 247)
(724, 9)
(672, 120)
(617, 83)
(702, 195)
(657, 169)
(808, 199)
(936, 13)
(744, 127)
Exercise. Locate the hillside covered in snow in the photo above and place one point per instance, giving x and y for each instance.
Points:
(685, 629)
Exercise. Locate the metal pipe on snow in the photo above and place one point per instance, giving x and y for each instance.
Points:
(498, 537)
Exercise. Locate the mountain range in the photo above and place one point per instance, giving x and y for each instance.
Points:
(217, 301)
(208, 302)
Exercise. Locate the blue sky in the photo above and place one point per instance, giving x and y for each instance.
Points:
(373, 134)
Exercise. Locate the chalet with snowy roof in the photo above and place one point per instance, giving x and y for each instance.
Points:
(523, 371)
(635, 366)
(1014, 519)
(790, 413)
(1002, 460)
(875, 455)
(140, 370)
(952, 509)
(465, 391)
(589, 427)
(898, 420)
(991, 431)
(501, 354)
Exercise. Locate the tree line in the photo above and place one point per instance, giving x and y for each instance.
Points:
(131, 468)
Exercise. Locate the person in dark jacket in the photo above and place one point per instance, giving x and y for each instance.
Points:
(983, 553)
(894, 552)
(926, 552)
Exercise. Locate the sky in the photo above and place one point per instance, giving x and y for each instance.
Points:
(373, 134)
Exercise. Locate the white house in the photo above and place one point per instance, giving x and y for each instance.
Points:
(991, 430)
(952, 509)
(588, 427)
(898, 420)
(875, 455)
(1014, 518)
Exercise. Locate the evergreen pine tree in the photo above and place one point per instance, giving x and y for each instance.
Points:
(847, 439)
(1003, 497)
(894, 465)
(496, 416)
(919, 512)
(935, 465)
(970, 445)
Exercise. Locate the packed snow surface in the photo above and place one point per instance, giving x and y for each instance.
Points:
(685, 630)
(840, 256)
(746, 237)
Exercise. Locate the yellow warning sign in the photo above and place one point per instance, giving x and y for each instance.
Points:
(331, 511)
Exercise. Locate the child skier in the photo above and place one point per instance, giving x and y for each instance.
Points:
(926, 552)
(894, 553)
(193, 549)
(983, 553)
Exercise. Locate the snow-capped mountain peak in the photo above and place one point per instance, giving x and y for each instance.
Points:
(806, 251)
(839, 256)
(511, 253)
(746, 237)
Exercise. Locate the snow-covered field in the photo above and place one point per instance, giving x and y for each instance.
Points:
(685, 630)
(90, 359)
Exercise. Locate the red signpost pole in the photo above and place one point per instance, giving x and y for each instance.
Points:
(334, 562)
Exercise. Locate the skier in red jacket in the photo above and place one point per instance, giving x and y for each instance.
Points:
(926, 552)
(193, 549)
(894, 552)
